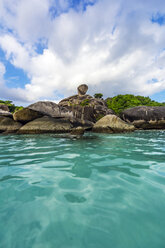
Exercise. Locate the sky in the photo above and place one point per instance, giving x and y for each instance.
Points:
(49, 47)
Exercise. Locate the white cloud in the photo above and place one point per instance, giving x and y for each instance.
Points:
(113, 47)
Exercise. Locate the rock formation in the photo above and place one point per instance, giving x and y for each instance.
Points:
(86, 107)
(112, 124)
(78, 113)
(145, 117)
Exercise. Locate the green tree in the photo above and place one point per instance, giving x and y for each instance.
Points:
(121, 102)
(11, 106)
(98, 95)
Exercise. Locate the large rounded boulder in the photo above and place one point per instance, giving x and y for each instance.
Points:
(47, 124)
(145, 117)
(8, 125)
(112, 124)
(51, 109)
(25, 115)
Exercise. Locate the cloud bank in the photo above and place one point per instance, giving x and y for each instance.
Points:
(116, 47)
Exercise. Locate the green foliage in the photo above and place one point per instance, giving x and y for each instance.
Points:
(85, 102)
(11, 106)
(121, 102)
(98, 95)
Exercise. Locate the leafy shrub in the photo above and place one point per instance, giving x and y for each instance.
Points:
(85, 102)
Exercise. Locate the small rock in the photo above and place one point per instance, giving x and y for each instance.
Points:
(77, 131)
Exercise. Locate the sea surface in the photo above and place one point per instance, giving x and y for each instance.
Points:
(95, 191)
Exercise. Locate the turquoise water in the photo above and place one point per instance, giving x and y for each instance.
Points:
(99, 191)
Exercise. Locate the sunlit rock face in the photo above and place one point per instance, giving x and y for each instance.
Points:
(112, 124)
(47, 124)
(25, 115)
(145, 117)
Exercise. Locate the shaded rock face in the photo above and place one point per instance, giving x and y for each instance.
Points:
(9, 125)
(46, 124)
(76, 122)
(4, 107)
(86, 107)
(51, 109)
(112, 124)
(82, 89)
(145, 117)
(5, 113)
(25, 115)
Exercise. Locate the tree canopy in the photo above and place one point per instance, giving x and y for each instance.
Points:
(121, 102)
(11, 106)
(98, 95)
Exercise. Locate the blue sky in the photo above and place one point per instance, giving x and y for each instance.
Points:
(48, 48)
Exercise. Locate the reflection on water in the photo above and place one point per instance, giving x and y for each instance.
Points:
(93, 191)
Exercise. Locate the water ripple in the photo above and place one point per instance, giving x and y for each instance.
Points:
(95, 191)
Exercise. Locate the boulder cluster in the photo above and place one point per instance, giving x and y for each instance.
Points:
(77, 114)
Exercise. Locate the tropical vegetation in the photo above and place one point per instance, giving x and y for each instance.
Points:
(11, 106)
(120, 102)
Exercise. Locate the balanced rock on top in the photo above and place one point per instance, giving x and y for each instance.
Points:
(82, 89)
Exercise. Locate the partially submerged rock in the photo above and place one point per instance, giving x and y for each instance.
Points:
(25, 115)
(145, 117)
(47, 124)
(76, 122)
(112, 124)
(78, 131)
(8, 125)
(51, 109)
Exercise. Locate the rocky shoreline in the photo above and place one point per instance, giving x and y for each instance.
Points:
(77, 114)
